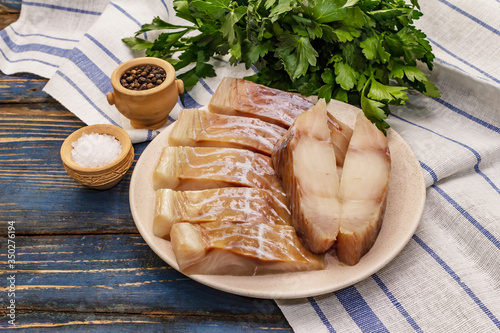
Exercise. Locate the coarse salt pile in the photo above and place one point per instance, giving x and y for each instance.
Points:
(95, 150)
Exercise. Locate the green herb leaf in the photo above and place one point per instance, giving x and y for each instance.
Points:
(387, 94)
(213, 8)
(230, 20)
(346, 76)
(137, 43)
(159, 24)
(324, 11)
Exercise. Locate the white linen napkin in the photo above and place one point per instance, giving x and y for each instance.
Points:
(447, 279)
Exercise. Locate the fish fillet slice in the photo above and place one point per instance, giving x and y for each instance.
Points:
(199, 168)
(230, 204)
(305, 160)
(245, 98)
(363, 188)
(198, 128)
(240, 249)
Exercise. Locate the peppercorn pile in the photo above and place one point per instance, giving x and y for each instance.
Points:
(143, 77)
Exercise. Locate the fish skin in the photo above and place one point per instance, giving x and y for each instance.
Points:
(199, 128)
(305, 161)
(245, 98)
(199, 168)
(240, 249)
(364, 187)
(230, 204)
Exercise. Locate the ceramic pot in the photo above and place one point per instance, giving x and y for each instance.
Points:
(146, 108)
(106, 176)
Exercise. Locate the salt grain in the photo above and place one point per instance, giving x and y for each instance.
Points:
(95, 150)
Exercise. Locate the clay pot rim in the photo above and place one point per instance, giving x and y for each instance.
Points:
(118, 72)
(115, 131)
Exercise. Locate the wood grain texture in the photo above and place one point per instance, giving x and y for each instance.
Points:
(9, 12)
(129, 323)
(23, 88)
(117, 275)
(11, 4)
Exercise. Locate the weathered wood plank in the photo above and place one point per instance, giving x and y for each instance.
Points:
(35, 189)
(117, 274)
(123, 323)
(12, 4)
(23, 88)
(9, 12)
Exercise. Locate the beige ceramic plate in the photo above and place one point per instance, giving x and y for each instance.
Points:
(404, 209)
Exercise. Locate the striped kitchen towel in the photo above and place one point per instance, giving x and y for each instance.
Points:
(447, 278)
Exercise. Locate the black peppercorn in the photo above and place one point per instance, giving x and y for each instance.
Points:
(143, 77)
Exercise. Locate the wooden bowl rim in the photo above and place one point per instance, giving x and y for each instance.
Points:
(115, 131)
(142, 61)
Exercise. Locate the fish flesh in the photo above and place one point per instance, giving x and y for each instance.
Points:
(363, 189)
(340, 135)
(305, 161)
(230, 204)
(199, 128)
(240, 249)
(240, 97)
(200, 168)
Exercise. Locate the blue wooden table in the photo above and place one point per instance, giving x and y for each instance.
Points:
(79, 262)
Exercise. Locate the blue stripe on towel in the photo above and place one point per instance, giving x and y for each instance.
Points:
(88, 99)
(473, 18)
(464, 61)
(36, 47)
(149, 135)
(42, 35)
(124, 12)
(444, 62)
(220, 59)
(321, 314)
(68, 9)
(359, 310)
(27, 59)
(468, 116)
(166, 7)
(92, 71)
(430, 171)
(206, 86)
(469, 217)
(396, 303)
(457, 279)
(476, 154)
(189, 102)
(103, 48)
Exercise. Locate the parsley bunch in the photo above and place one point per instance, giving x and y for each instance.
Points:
(363, 52)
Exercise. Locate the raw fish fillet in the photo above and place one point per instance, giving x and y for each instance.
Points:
(200, 168)
(245, 98)
(305, 161)
(240, 249)
(230, 204)
(363, 188)
(198, 128)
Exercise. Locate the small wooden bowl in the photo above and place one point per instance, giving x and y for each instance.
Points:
(106, 176)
